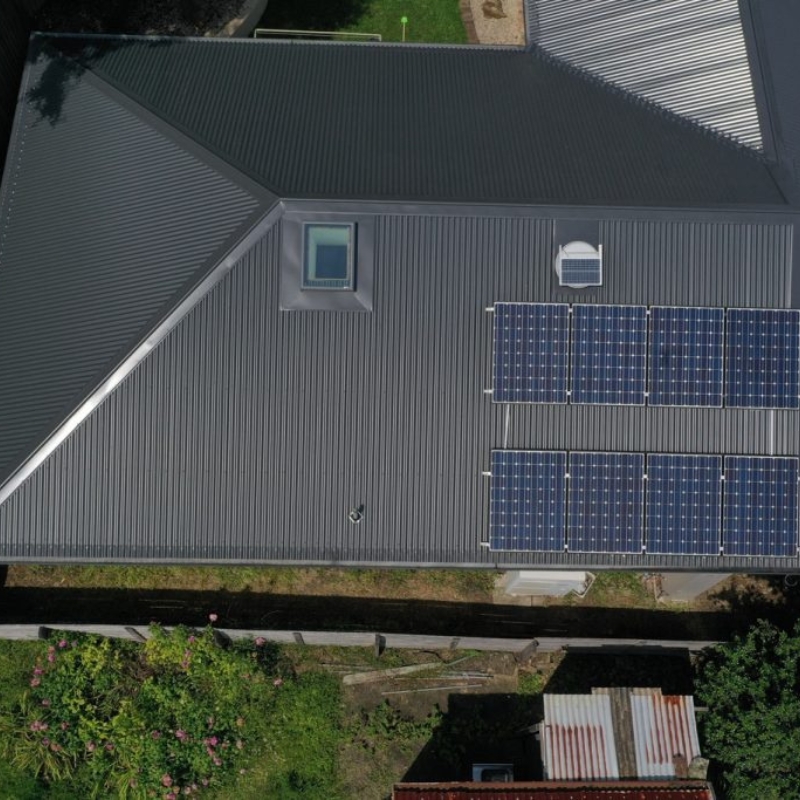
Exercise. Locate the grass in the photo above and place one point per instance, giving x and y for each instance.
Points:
(452, 585)
(428, 20)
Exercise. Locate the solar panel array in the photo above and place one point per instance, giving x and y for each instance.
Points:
(527, 510)
(762, 359)
(685, 364)
(580, 271)
(679, 505)
(610, 355)
(531, 353)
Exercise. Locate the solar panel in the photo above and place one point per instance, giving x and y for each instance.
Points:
(762, 359)
(760, 509)
(528, 500)
(530, 353)
(609, 353)
(684, 504)
(606, 502)
(685, 356)
(581, 272)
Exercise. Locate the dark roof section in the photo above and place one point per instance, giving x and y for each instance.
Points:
(107, 224)
(456, 124)
(248, 434)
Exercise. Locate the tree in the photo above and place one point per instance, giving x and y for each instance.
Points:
(752, 729)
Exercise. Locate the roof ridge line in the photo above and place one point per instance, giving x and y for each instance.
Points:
(177, 134)
(245, 41)
(139, 352)
(538, 51)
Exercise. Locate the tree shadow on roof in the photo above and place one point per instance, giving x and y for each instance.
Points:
(56, 66)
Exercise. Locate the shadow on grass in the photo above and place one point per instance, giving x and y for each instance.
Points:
(312, 15)
(297, 612)
(481, 729)
(581, 671)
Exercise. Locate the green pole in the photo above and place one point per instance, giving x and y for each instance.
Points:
(404, 22)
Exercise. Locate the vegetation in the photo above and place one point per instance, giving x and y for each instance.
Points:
(428, 20)
(752, 728)
(171, 717)
(443, 584)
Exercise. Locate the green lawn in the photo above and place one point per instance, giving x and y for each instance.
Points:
(436, 21)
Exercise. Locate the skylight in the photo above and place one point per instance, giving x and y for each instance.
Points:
(328, 256)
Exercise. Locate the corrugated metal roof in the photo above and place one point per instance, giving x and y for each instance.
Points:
(688, 56)
(421, 123)
(106, 222)
(664, 729)
(248, 434)
(660, 732)
(577, 738)
(554, 791)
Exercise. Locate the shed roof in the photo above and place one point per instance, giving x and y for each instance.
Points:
(618, 733)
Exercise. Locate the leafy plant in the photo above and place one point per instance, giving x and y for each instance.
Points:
(752, 689)
(135, 721)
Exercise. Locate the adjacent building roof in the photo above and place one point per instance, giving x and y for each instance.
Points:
(157, 404)
(692, 790)
(688, 57)
(618, 733)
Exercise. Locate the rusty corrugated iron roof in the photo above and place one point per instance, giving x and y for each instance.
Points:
(694, 790)
(664, 733)
(613, 733)
(577, 738)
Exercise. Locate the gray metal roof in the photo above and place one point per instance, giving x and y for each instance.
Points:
(106, 223)
(422, 123)
(182, 422)
(248, 433)
(688, 56)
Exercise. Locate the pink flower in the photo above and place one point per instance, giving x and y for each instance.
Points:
(51, 657)
(192, 639)
(91, 746)
(109, 747)
(156, 734)
(46, 741)
(55, 747)
(218, 762)
(277, 682)
(213, 617)
(260, 641)
(166, 780)
(35, 682)
(38, 671)
(170, 796)
(182, 735)
(45, 702)
(63, 643)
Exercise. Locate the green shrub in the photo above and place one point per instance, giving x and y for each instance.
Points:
(139, 721)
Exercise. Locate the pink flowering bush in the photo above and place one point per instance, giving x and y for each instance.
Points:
(162, 719)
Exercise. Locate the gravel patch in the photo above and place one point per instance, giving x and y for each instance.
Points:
(498, 21)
